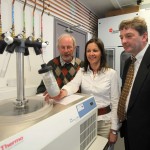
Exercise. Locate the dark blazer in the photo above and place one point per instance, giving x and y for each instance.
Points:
(138, 113)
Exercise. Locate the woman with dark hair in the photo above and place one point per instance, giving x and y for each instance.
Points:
(100, 45)
(98, 79)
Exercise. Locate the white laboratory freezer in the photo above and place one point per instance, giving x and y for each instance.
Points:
(70, 124)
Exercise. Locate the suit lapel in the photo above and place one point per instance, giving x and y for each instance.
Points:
(140, 78)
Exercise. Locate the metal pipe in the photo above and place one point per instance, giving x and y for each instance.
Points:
(20, 75)
(24, 20)
(63, 14)
(20, 101)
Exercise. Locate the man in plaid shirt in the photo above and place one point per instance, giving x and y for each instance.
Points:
(66, 65)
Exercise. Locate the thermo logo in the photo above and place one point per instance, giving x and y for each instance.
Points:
(11, 144)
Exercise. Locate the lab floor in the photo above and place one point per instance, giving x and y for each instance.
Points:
(119, 144)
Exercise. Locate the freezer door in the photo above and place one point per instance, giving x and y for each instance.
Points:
(110, 57)
(116, 57)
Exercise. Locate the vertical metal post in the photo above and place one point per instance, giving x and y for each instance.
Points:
(20, 75)
(20, 101)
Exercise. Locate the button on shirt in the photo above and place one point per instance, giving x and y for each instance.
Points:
(104, 86)
(139, 58)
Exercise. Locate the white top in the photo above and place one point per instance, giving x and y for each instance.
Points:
(104, 86)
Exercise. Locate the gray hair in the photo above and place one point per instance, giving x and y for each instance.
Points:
(66, 35)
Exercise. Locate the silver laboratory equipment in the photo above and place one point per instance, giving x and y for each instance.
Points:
(22, 112)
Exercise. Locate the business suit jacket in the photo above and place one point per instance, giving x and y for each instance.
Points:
(138, 113)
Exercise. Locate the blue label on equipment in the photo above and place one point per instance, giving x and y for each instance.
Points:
(86, 107)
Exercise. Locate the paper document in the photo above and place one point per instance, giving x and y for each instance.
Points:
(69, 99)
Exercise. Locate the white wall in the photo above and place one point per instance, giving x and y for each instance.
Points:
(108, 27)
(32, 77)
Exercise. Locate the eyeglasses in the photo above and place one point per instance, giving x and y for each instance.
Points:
(66, 47)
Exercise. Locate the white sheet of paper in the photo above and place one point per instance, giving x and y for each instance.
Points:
(69, 99)
(40, 95)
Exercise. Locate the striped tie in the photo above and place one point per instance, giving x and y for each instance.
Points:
(125, 91)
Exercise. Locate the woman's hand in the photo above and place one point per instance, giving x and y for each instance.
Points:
(61, 95)
(112, 138)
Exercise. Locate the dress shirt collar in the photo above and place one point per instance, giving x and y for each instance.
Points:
(140, 55)
(90, 70)
(63, 62)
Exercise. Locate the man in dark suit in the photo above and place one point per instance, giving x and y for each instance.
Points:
(136, 126)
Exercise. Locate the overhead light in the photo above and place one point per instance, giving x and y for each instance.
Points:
(116, 4)
(70, 29)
